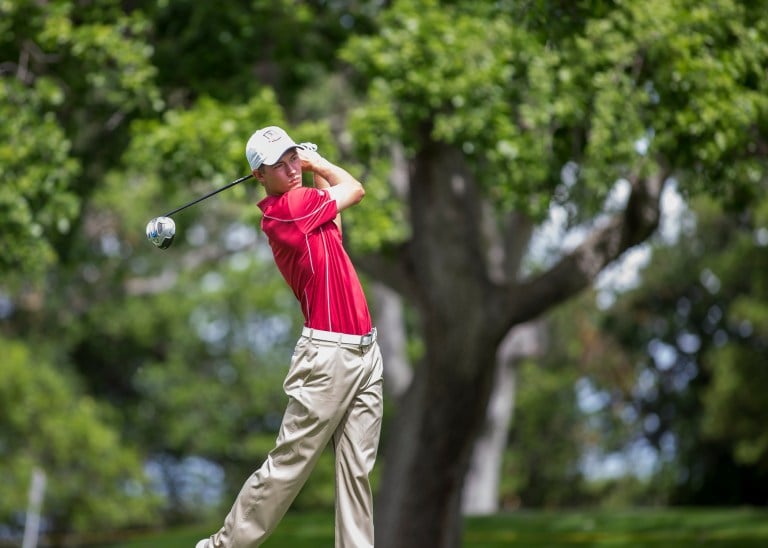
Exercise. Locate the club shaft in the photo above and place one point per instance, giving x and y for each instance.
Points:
(201, 198)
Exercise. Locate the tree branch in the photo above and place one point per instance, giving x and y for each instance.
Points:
(391, 266)
(577, 270)
(140, 286)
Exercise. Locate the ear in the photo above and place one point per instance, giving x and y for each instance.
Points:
(258, 174)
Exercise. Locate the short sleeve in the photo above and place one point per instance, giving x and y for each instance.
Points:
(310, 208)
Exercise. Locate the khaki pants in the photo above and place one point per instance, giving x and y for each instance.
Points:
(334, 395)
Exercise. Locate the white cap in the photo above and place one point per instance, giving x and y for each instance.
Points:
(267, 145)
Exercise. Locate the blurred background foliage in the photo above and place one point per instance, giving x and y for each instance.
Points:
(147, 384)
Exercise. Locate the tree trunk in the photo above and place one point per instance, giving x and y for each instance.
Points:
(481, 489)
(428, 452)
(427, 459)
(465, 310)
(390, 322)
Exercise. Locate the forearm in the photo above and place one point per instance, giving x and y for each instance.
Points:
(319, 181)
(345, 189)
(331, 173)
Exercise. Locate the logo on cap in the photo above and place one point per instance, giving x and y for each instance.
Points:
(272, 135)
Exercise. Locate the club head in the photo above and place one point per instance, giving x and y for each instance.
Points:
(161, 231)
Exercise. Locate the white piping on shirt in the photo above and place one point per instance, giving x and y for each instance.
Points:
(294, 219)
(327, 277)
(312, 266)
(309, 253)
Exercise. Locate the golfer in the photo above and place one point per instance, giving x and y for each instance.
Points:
(334, 382)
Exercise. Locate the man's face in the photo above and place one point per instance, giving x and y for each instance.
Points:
(282, 176)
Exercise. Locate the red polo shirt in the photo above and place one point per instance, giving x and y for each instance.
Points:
(308, 251)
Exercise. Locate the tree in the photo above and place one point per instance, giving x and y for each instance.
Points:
(542, 466)
(68, 83)
(130, 323)
(634, 93)
(734, 413)
(695, 332)
(70, 76)
(48, 423)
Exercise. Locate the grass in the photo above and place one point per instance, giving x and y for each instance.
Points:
(657, 528)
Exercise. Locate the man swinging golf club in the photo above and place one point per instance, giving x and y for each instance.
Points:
(334, 382)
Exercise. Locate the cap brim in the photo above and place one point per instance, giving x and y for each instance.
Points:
(272, 160)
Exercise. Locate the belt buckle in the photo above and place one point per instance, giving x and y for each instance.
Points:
(366, 340)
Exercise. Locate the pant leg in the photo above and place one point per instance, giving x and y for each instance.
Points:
(305, 431)
(320, 385)
(355, 445)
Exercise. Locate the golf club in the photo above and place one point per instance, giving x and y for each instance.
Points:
(162, 230)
